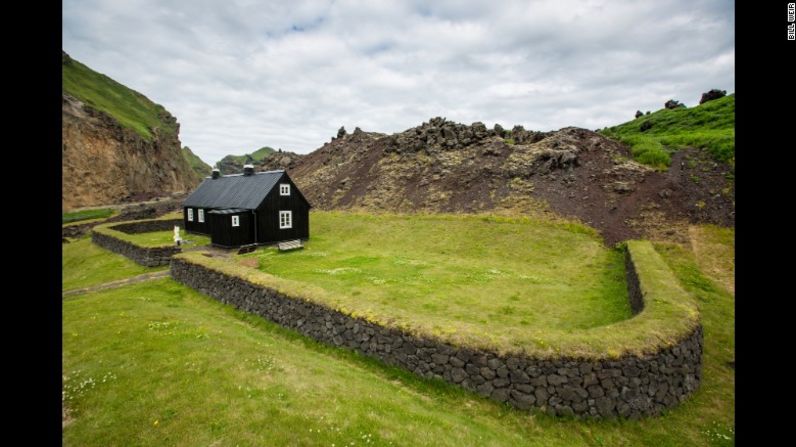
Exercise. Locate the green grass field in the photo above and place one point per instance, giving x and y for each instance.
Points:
(160, 238)
(484, 277)
(86, 264)
(710, 126)
(95, 214)
(159, 364)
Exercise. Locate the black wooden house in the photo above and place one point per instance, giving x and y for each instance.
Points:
(249, 208)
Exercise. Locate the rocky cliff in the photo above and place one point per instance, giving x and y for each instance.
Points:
(111, 150)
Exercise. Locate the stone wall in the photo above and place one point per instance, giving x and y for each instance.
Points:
(630, 386)
(633, 287)
(147, 226)
(147, 256)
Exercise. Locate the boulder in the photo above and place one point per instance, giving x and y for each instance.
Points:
(673, 104)
(711, 95)
(478, 129)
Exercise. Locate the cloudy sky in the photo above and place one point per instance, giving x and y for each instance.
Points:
(242, 74)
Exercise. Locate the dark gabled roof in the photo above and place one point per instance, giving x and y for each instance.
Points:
(228, 211)
(234, 191)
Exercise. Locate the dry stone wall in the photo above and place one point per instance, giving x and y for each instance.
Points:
(630, 387)
(147, 226)
(147, 256)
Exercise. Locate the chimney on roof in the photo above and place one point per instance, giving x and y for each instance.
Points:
(248, 169)
(216, 172)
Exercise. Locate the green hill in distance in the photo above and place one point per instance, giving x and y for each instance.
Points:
(201, 168)
(233, 164)
(709, 126)
(130, 108)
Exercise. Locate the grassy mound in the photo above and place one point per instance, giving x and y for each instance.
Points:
(710, 126)
(508, 285)
(130, 108)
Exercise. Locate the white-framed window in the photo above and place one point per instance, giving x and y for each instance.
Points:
(201, 215)
(285, 219)
(190, 214)
(235, 221)
(284, 189)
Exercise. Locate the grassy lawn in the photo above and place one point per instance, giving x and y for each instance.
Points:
(172, 215)
(159, 364)
(86, 264)
(95, 214)
(160, 238)
(498, 278)
(710, 126)
(714, 250)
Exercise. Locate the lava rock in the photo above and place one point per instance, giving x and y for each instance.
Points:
(712, 94)
(673, 104)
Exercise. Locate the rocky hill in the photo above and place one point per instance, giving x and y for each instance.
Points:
(117, 144)
(451, 167)
(280, 160)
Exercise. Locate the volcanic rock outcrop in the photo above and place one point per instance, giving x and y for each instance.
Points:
(443, 166)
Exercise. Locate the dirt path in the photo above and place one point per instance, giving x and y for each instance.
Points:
(119, 283)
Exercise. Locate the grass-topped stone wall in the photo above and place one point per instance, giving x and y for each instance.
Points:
(120, 238)
(632, 368)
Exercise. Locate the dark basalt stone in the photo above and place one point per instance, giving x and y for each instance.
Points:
(629, 387)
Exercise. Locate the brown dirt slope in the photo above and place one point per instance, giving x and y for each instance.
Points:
(441, 166)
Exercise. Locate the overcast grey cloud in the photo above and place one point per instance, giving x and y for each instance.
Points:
(241, 74)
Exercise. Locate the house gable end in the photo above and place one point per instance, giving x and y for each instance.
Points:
(294, 191)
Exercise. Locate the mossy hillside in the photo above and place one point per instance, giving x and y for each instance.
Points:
(130, 108)
(710, 126)
(201, 168)
(669, 316)
(255, 157)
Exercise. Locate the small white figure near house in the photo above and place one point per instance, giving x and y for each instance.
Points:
(177, 238)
